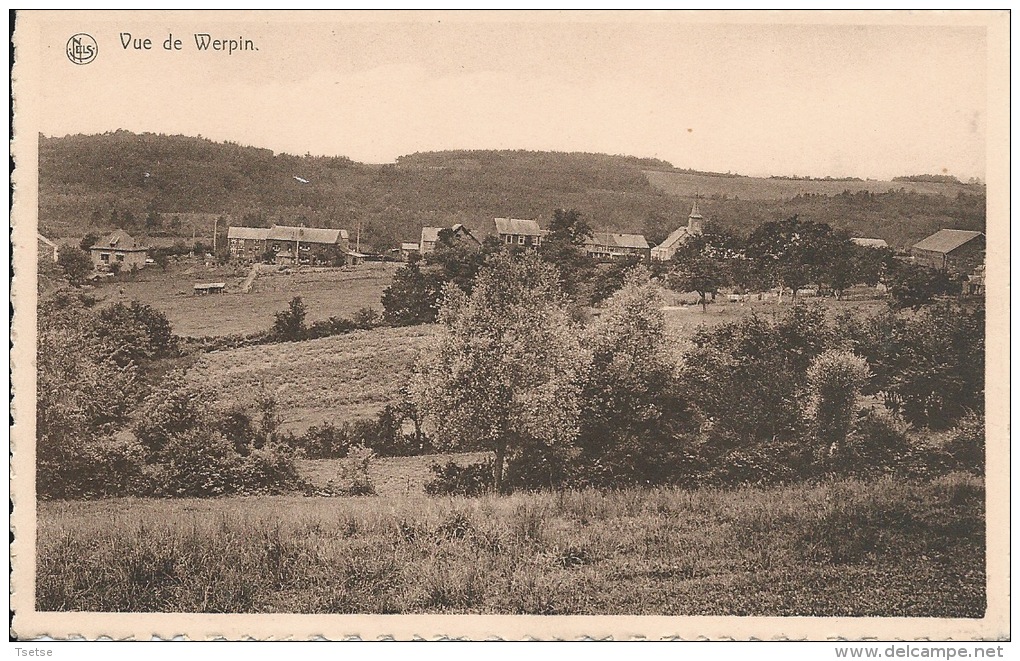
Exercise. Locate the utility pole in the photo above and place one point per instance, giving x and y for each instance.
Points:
(357, 239)
(215, 228)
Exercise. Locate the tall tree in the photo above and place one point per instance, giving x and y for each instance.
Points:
(500, 374)
(634, 416)
(563, 247)
(702, 264)
(790, 253)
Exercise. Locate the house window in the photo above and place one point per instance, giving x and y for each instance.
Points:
(104, 257)
(509, 239)
(520, 240)
(120, 257)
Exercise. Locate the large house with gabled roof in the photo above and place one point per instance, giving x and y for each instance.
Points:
(284, 244)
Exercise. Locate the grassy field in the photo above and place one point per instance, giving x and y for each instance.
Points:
(329, 379)
(752, 188)
(877, 548)
(327, 293)
(392, 477)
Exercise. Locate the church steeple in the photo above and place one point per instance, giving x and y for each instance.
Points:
(694, 220)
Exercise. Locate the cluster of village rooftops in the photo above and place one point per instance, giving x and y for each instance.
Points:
(306, 245)
(948, 249)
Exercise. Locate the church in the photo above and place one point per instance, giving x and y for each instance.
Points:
(665, 250)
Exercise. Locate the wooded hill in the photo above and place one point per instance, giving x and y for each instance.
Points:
(175, 185)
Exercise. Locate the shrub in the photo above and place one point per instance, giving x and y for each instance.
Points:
(835, 379)
(877, 443)
(352, 478)
(174, 408)
(327, 441)
(330, 327)
(366, 318)
(456, 480)
(91, 468)
(138, 331)
(269, 470)
(966, 447)
(290, 323)
(198, 462)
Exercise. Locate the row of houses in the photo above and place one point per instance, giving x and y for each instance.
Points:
(284, 244)
(959, 252)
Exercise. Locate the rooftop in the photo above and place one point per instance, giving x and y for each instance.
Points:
(946, 241)
(518, 226)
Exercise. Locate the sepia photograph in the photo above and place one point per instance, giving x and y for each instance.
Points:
(694, 323)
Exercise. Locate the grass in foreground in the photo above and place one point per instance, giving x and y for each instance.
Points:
(879, 548)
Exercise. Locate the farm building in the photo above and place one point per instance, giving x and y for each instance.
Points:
(958, 252)
(869, 243)
(291, 245)
(430, 236)
(611, 245)
(119, 248)
(514, 231)
(247, 243)
(665, 250)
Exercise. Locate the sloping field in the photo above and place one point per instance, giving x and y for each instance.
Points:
(752, 188)
(326, 293)
(330, 379)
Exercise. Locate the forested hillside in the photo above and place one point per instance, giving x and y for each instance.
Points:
(176, 185)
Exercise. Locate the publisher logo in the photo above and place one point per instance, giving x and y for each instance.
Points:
(82, 48)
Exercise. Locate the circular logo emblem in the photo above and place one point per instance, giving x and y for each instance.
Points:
(82, 48)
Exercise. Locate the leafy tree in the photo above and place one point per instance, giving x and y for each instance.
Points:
(76, 264)
(849, 264)
(500, 374)
(455, 260)
(913, 285)
(790, 253)
(702, 264)
(87, 241)
(290, 323)
(137, 331)
(634, 418)
(412, 298)
(153, 221)
(563, 248)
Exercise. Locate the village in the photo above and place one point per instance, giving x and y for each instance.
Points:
(957, 253)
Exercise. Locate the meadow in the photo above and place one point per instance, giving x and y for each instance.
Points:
(326, 293)
(325, 380)
(847, 548)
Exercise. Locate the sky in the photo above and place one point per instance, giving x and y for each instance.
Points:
(758, 99)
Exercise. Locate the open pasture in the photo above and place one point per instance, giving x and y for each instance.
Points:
(849, 548)
(326, 293)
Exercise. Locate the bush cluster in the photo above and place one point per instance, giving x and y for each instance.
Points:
(452, 479)
(383, 435)
(777, 399)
